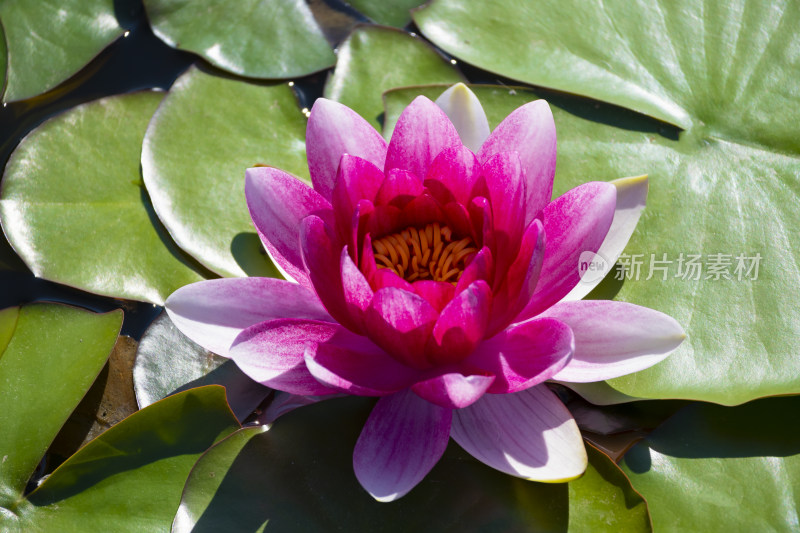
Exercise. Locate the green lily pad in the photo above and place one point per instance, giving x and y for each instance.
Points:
(48, 42)
(208, 130)
(49, 356)
(724, 71)
(712, 468)
(253, 38)
(395, 13)
(130, 477)
(288, 479)
(707, 196)
(374, 59)
(168, 362)
(74, 208)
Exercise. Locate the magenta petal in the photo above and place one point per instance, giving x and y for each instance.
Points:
(422, 131)
(480, 212)
(402, 440)
(212, 313)
(480, 268)
(529, 434)
(357, 179)
(461, 325)
(614, 338)
(454, 390)
(401, 322)
(453, 175)
(457, 217)
(438, 293)
(357, 292)
(520, 282)
(323, 261)
(273, 353)
(505, 182)
(423, 209)
(383, 277)
(531, 132)
(525, 354)
(278, 202)
(399, 188)
(359, 367)
(333, 130)
(367, 260)
(576, 222)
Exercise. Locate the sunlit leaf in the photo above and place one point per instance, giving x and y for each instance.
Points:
(50, 41)
(253, 38)
(209, 129)
(74, 207)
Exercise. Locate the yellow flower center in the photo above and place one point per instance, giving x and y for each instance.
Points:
(427, 253)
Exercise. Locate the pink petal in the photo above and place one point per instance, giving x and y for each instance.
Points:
(614, 338)
(323, 262)
(212, 313)
(423, 209)
(357, 292)
(480, 268)
(358, 367)
(383, 277)
(401, 322)
(357, 179)
(529, 434)
(576, 222)
(520, 282)
(461, 325)
(454, 390)
(457, 217)
(438, 293)
(383, 220)
(465, 111)
(278, 202)
(402, 440)
(530, 131)
(453, 175)
(399, 188)
(480, 212)
(631, 199)
(334, 130)
(422, 131)
(505, 181)
(524, 355)
(272, 353)
(367, 260)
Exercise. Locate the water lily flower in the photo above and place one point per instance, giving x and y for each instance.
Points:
(434, 273)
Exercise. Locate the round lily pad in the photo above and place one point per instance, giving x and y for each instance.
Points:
(74, 207)
(253, 38)
(207, 132)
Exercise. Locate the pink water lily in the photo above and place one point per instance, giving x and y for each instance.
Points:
(436, 274)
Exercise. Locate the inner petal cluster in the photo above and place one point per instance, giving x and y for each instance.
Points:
(431, 252)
